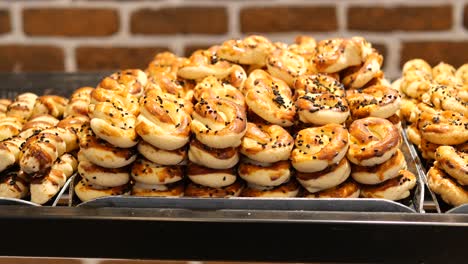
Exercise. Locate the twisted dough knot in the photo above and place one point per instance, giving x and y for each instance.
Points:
(112, 123)
(219, 123)
(288, 189)
(215, 158)
(373, 141)
(9, 127)
(266, 143)
(376, 101)
(321, 109)
(286, 65)
(43, 189)
(50, 105)
(22, 107)
(450, 190)
(251, 50)
(318, 83)
(454, 162)
(358, 76)
(163, 83)
(303, 46)
(40, 152)
(127, 102)
(462, 74)
(444, 74)
(212, 88)
(148, 172)
(417, 65)
(10, 149)
(443, 127)
(270, 98)
(87, 191)
(265, 174)
(347, 189)
(319, 147)
(131, 81)
(164, 121)
(37, 124)
(334, 55)
(164, 63)
(445, 98)
(416, 83)
(79, 101)
(14, 184)
(394, 189)
(102, 153)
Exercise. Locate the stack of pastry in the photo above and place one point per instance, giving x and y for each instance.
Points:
(218, 124)
(36, 157)
(107, 145)
(164, 128)
(436, 106)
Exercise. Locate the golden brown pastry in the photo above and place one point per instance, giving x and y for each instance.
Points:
(322, 109)
(155, 190)
(86, 191)
(333, 55)
(288, 189)
(4, 103)
(161, 156)
(148, 172)
(251, 50)
(454, 162)
(443, 127)
(13, 184)
(376, 101)
(450, 190)
(9, 127)
(212, 88)
(266, 143)
(381, 172)
(270, 98)
(79, 102)
(195, 190)
(219, 123)
(101, 176)
(50, 105)
(286, 65)
(330, 177)
(22, 107)
(394, 189)
(373, 141)
(319, 147)
(214, 158)
(265, 174)
(214, 178)
(130, 81)
(43, 189)
(102, 153)
(318, 83)
(347, 189)
(164, 121)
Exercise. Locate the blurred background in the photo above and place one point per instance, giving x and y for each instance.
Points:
(93, 35)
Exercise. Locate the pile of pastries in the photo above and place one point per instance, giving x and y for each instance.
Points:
(435, 104)
(249, 118)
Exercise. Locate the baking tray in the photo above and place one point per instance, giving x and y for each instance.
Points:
(410, 205)
(64, 84)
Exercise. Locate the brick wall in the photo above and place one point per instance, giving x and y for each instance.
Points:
(89, 35)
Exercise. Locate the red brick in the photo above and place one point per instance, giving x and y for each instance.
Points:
(27, 58)
(418, 18)
(453, 52)
(70, 22)
(5, 24)
(180, 20)
(91, 58)
(285, 18)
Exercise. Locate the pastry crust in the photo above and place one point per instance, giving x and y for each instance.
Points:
(214, 178)
(394, 189)
(330, 177)
(264, 174)
(288, 189)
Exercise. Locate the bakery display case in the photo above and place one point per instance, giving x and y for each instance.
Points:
(242, 229)
(246, 151)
